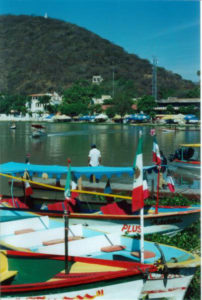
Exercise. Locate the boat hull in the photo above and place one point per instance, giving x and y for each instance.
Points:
(168, 222)
(87, 278)
(194, 166)
(173, 286)
(118, 291)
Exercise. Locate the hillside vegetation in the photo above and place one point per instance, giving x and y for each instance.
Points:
(41, 55)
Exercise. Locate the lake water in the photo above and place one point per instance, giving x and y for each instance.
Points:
(117, 143)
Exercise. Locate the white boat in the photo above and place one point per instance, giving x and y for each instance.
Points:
(176, 266)
(86, 278)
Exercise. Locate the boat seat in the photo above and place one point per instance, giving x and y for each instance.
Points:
(147, 254)
(60, 241)
(22, 231)
(75, 238)
(5, 274)
(112, 248)
(53, 242)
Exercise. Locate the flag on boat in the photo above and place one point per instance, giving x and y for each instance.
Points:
(156, 152)
(67, 193)
(137, 194)
(28, 189)
(152, 132)
(108, 189)
(145, 189)
(170, 184)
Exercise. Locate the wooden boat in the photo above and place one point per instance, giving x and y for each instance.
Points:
(41, 275)
(169, 220)
(33, 233)
(178, 266)
(187, 156)
(8, 214)
(115, 213)
(38, 130)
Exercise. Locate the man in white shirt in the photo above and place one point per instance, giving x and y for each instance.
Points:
(94, 159)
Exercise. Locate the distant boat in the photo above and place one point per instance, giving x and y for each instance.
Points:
(13, 126)
(38, 130)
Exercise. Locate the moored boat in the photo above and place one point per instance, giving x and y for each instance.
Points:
(187, 156)
(86, 277)
(169, 219)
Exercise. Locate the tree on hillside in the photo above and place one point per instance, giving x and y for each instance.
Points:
(80, 92)
(122, 104)
(146, 104)
(45, 100)
(74, 109)
(170, 109)
(15, 103)
(185, 110)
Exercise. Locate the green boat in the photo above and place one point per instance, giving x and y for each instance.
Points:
(26, 274)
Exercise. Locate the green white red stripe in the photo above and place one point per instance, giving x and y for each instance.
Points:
(137, 194)
(28, 189)
(67, 192)
(156, 152)
(170, 184)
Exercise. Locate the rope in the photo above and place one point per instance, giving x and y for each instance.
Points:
(62, 189)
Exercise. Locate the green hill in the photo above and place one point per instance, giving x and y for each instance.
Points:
(40, 55)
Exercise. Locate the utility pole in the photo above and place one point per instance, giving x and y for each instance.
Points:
(113, 82)
(154, 78)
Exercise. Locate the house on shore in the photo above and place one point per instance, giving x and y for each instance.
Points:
(36, 107)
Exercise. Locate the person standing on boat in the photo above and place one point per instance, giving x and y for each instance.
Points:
(94, 159)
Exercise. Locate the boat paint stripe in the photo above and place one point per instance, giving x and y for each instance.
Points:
(164, 291)
(188, 162)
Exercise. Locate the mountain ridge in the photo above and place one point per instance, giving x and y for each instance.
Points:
(43, 54)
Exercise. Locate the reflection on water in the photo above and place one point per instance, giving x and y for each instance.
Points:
(117, 144)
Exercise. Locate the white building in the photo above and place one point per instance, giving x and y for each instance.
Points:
(102, 99)
(34, 106)
(97, 79)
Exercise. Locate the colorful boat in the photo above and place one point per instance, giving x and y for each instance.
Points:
(187, 156)
(112, 213)
(45, 276)
(177, 266)
(169, 219)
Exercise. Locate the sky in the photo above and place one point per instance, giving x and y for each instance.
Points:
(168, 30)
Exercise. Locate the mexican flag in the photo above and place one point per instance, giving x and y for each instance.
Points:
(170, 184)
(156, 152)
(28, 189)
(67, 192)
(137, 194)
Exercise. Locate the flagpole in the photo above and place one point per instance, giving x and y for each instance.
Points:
(142, 234)
(157, 191)
(142, 218)
(66, 218)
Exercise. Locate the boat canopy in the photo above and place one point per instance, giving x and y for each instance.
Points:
(38, 126)
(190, 145)
(15, 168)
